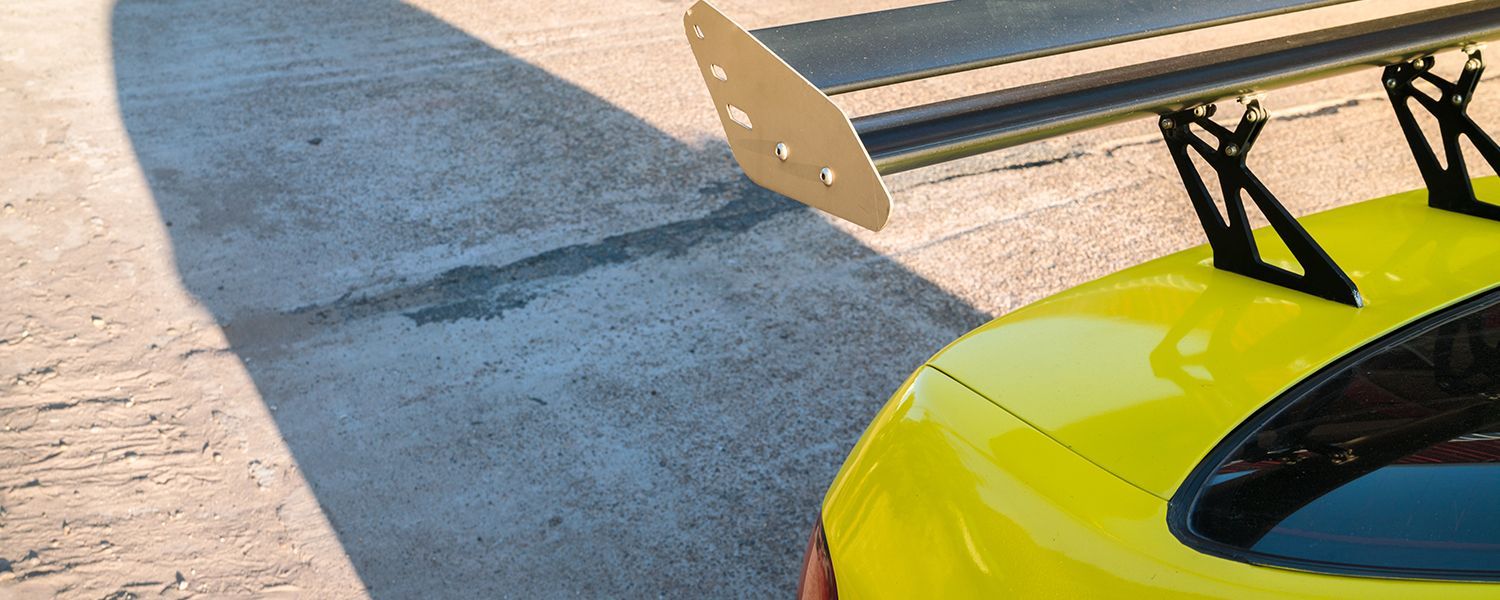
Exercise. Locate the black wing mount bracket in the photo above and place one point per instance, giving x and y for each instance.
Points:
(1448, 187)
(1233, 242)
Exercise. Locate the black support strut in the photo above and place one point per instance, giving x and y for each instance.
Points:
(1448, 188)
(1233, 242)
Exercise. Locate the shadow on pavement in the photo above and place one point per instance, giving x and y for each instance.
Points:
(520, 342)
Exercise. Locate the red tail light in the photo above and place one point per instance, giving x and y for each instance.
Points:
(817, 569)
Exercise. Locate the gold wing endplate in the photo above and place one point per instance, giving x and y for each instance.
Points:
(786, 134)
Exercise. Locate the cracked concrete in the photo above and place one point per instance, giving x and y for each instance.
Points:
(467, 299)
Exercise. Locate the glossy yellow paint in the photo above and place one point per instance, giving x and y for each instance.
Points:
(1034, 456)
(1144, 371)
(949, 496)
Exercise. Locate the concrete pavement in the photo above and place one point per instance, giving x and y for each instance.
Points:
(467, 299)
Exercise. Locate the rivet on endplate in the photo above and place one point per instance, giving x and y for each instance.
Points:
(826, 176)
(781, 151)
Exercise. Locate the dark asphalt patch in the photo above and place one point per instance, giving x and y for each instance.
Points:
(488, 291)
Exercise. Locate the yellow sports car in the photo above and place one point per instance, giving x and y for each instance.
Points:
(1310, 409)
(1176, 429)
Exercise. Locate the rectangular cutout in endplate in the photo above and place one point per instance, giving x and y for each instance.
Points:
(739, 116)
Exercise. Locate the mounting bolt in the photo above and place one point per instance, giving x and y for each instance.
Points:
(1166, 123)
(1457, 99)
(1391, 83)
(1199, 111)
(1231, 150)
(1472, 64)
(1419, 63)
(1255, 113)
(781, 151)
(826, 176)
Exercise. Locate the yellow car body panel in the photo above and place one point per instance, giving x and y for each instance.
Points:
(1036, 455)
(949, 496)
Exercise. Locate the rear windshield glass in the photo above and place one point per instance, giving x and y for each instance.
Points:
(1389, 464)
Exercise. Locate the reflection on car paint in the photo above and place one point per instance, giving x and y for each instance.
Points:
(1390, 462)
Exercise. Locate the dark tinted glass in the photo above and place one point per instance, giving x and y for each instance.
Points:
(1389, 464)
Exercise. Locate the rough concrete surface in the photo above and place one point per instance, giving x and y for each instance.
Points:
(466, 298)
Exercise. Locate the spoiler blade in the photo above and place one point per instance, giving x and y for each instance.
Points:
(789, 136)
(856, 52)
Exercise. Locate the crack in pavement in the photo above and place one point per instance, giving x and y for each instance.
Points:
(488, 291)
(1021, 166)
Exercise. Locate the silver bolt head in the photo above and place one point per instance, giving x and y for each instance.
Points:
(1167, 123)
(1457, 99)
(1254, 114)
(781, 151)
(826, 176)
(1199, 111)
(1419, 63)
(1473, 64)
(1391, 83)
(1231, 150)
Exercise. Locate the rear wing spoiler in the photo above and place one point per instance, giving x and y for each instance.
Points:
(771, 89)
